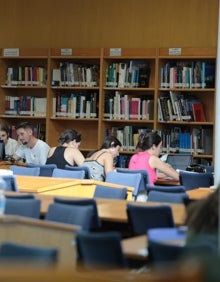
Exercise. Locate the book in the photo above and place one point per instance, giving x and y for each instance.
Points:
(198, 112)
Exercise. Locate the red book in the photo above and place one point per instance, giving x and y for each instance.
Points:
(198, 112)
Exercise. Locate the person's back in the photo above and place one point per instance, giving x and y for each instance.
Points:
(67, 153)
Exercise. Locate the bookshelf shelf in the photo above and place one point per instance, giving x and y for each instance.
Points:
(113, 91)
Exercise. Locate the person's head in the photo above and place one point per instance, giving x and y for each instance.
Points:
(70, 137)
(4, 133)
(113, 144)
(25, 132)
(149, 140)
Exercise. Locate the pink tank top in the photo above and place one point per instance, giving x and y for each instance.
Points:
(140, 160)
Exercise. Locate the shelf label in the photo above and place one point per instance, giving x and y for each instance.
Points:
(66, 51)
(175, 51)
(115, 52)
(11, 52)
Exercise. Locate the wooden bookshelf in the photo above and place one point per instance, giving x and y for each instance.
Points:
(99, 94)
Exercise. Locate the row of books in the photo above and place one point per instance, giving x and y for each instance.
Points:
(191, 74)
(26, 76)
(121, 106)
(76, 105)
(180, 106)
(130, 74)
(39, 131)
(72, 74)
(25, 106)
(195, 141)
(127, 135)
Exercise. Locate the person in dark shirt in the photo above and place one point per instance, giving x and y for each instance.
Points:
(67, 153)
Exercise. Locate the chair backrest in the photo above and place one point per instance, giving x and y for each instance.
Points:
(64, 173)
(108, 192)
(100, 250)
(77, 215)
(22, 170)
(20, 196)
(172, 189)
(143, 217)
(125, 179)
(23, 207)
(144, 178)
(96, 222)
(169, 197)
(20, 253)
(193, 180)
(11, 183)
(45, 170)
(79, 168)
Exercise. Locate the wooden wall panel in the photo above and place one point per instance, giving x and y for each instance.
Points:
(108, 23)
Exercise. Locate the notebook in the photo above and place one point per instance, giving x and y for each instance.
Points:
(179, 162)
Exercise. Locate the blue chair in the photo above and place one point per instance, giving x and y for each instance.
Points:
(100, 250)
(143, 217)
(20, 196)
(193, 180)
(64, 173)
(24, 207)
(96, 222)
(144, 174)
(172, 189)
(22, 170)
(77, 215)
(21, 253)
(11, 183)
(168, 197)
(126, 179)
(108, 192)
(45, 170)
(79, 168)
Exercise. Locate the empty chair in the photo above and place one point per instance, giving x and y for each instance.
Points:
(20, 196)
(64, 173)
(169, 197)
(100, 250)
(143, 217)
(16, 252)
(11, 183)
(172, 189)
(96, 222)
(125, 179)
(79, 168)
(22, 170)
(102, 191)
(45, 170)
(77, 215)
(193, 180)
(24, 207)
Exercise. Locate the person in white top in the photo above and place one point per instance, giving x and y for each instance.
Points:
(32, 150)
(11, 145)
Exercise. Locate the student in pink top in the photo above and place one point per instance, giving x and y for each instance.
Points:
(147, 157)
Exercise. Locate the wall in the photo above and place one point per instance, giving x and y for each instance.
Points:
(108, 23)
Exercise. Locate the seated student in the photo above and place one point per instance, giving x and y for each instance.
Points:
(147, 158)
(32, 149)
(202, 221)
(67, 153)
(11, 145)
(101, 161)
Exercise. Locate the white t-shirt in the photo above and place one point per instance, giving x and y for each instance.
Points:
(11, 147)
(36, 155)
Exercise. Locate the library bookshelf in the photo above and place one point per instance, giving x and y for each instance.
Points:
(102, 91)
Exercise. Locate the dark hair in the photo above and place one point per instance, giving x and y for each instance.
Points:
(25, 125)
(147, 140)
(109, 142)
(202, 215)
(69, 135)
(5, 128)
